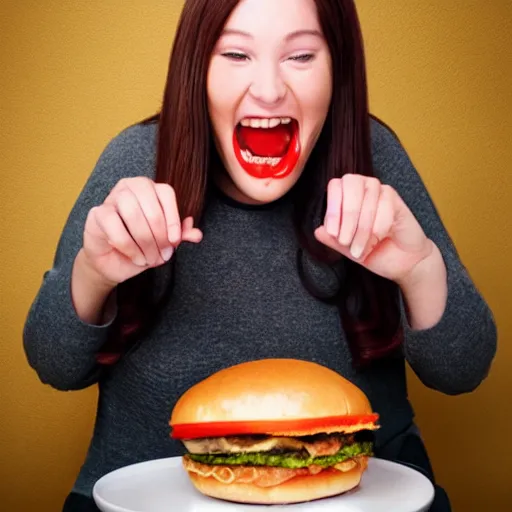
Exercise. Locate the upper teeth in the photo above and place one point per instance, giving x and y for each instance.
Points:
(271, 122)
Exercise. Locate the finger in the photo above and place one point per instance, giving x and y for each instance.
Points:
(325, 238)
(373, 242)
(333, 211)
(353, 193)
(167, 198)
(131, 213)
(385, 214)
(109, 222)
(366, 217)
(145, 192)
(189, 232)
(120, 185)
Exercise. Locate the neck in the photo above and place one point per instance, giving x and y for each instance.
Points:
(226, 185)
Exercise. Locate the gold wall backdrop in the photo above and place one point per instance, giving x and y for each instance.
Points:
(73, 74)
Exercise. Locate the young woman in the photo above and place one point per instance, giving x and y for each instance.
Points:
(263, 213)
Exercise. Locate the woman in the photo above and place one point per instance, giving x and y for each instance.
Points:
(263, 213)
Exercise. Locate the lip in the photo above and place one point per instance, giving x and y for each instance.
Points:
(283, 169)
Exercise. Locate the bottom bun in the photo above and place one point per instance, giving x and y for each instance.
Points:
(299, 489)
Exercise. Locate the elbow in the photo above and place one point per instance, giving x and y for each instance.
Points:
(461, 364)
(459, 385)
(62, 380)
(454, 382)
(465, 373)
(53, 371)
(480, 357)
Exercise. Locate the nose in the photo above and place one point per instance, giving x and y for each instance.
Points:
(267, 85)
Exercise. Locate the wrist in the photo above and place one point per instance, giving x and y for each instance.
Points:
(90, 291)
(85, 272)
(425, 290)
(428, 266)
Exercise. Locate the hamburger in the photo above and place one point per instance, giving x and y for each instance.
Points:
(274, 431)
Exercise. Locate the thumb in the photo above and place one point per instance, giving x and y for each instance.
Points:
(189, 233)
(325, 238)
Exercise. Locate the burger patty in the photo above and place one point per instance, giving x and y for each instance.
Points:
(315, 445)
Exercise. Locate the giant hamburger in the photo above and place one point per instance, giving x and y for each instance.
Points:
(274, 431)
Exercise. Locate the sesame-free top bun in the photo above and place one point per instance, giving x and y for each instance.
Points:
(297, 490)
(273, 390)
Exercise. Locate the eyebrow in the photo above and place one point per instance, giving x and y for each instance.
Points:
(289, 37)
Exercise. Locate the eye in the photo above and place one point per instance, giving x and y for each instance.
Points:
(237, 56)
(303, 57)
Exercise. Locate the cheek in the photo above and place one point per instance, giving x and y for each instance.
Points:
(317, 100)
(314, 96)
(217, 97)
(221, 95)
(223, 92)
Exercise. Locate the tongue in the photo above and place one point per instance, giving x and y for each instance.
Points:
(271, 142)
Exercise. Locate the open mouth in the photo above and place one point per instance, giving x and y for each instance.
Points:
(267, 147)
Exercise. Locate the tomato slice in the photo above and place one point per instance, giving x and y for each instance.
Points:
(229, 428)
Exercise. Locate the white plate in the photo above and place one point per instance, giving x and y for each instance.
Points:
(162, 485)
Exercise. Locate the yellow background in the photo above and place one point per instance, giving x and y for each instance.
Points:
(73, 74)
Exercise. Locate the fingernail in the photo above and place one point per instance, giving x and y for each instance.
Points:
(174, 233)
(167, 253)
(345, 238)
(356, 251)
(140, 261)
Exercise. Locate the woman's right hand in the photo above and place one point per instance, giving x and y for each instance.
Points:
(137, 227)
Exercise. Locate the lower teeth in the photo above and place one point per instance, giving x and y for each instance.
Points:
(260, 160)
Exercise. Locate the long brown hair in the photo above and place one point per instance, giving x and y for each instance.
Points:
(368, 304)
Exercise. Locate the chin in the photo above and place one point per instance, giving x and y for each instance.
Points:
(262, 190)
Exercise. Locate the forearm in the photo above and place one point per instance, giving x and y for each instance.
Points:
(425, 291)
(60, 346)
(89, 291)
(454, 354)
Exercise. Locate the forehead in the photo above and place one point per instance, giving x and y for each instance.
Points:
(273, 17)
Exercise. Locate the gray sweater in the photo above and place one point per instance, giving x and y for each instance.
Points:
(238, 297)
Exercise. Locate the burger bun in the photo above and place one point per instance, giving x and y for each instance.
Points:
(297, 490)
(273, 390)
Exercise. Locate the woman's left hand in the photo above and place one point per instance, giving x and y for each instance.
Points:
(369, 223)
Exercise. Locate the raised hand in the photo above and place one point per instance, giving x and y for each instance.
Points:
(137, 227)
(369, 223)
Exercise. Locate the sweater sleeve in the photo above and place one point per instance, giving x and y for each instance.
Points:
(59, 346)
(455, 355)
